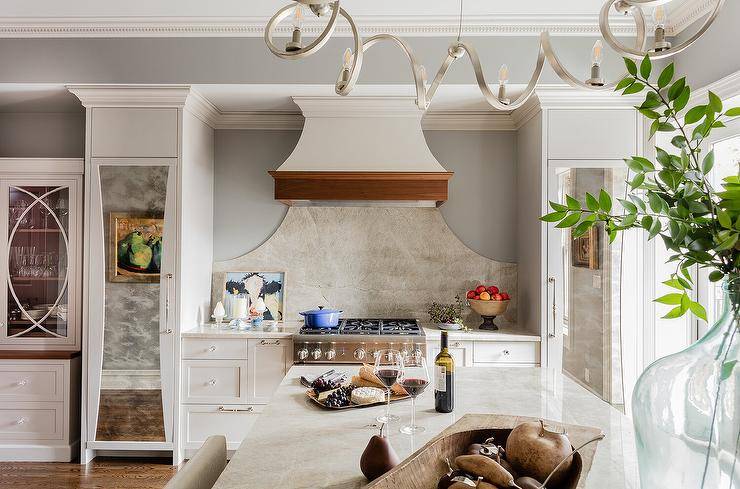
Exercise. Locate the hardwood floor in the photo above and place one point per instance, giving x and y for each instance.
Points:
(101, 473)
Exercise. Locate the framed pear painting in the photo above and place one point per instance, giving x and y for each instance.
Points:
(135, 247)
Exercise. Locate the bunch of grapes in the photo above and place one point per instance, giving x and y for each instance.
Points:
(322, 384)
(340, 397)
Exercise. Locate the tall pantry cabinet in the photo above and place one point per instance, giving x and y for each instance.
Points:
(148, 236)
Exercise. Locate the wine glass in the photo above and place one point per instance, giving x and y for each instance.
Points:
(388, 366)
(414, 378)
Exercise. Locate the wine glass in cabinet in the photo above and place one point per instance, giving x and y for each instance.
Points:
(40, 263)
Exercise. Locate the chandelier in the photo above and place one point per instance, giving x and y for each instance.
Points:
(352, 62)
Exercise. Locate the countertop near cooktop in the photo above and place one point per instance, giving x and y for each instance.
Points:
(296, 444)
(289, 328)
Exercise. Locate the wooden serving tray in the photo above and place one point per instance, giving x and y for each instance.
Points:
(427, 465)
(312, 395)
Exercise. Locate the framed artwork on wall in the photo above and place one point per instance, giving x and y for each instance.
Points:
(135, 247)
(242, 291)
(585, 249)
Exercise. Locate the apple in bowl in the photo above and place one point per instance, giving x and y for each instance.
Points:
(489, 302)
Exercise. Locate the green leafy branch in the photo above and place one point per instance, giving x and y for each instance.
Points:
(671, 197)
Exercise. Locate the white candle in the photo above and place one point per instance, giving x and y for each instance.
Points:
(240, 307)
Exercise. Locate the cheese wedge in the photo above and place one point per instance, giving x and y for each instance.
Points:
(367, 395)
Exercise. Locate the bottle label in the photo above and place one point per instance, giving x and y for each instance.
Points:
(440, 378)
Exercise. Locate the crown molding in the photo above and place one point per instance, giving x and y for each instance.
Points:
(725, 88)
(260, 120)
(202, 108)
(410, 26)
(687, 14)
(564, 96)
(468, 121)
(117, 95)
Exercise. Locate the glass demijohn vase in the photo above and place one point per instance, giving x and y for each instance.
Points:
(686, 410)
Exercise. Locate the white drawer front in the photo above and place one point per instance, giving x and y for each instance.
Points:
(232, 421)
(31, 421)
(207, 349)
(505, 352)
(24, 382)
(215, 381)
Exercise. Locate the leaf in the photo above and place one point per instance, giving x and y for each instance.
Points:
(727, 243)
(716, 276)
(674, 313)
(655, 228)
(605, 201)
(663, 157)
(682, 100)
(724, 219)
(650, 114)
(572, 203)
(629, 206)
(591, 203)
(569, 221)
(558, 207)
(653, 129)
(636, 87)
(624, 83)
(581, 229)
(676, 89)
(695, 114)
(734, 112)
(715, 102)
(666, 127)
(727, 369)
(679, 142)
(652, 100)
(631, 66)
(698, 310)
(657, 204)
(646, 67)
(708, 163)
(674, 284)
(666, 76)
(554, 216)
(670, 299)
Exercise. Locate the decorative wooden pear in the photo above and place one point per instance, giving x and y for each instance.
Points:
(378, 457)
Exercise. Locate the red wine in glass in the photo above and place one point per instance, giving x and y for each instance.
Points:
(388, 376)
(414, 386)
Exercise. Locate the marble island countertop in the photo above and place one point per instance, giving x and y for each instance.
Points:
(296, 444)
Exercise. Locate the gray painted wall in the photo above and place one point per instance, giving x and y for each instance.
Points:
(247, 60)
(715, 55)
(42, 135)
(480, 210)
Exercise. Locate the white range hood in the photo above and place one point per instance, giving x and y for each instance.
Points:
(361, 151)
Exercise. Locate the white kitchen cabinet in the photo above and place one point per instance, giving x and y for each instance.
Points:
(231, 421)
(461, 351)
(269, 360)
(214, 381)
(525, 353)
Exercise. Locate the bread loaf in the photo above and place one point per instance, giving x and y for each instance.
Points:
(367, 373)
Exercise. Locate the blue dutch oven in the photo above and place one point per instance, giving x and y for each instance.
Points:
(321, 318)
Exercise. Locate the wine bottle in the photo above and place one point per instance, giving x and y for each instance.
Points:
(444, 379)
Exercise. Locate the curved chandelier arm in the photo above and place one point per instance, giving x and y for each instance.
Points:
(639, 53)
(317, 44)
(344, 86)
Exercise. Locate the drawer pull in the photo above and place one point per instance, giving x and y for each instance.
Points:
(22, 383)
(212, 382)
(222, 409)
(212, 348)
(456, 344)
(265, 342)
(506, 353)
(21, 421)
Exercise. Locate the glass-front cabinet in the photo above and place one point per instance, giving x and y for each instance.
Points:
(40, 263)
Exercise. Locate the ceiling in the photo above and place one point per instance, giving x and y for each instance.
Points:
(147, 18)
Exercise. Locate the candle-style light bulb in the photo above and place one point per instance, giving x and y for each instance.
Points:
(347, 59)
(597, 53)
(295, 43)
(503, 78)
(503, 75)
(659, 16)
(298, 17)
(597, 56)
(659, 19)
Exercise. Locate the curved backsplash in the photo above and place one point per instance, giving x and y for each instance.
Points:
(370, 261)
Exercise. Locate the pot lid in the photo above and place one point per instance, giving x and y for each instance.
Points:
(319, 311)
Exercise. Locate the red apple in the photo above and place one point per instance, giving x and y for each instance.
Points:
(493, 290)
(470, 294)
(480, 289)
(498, 297)
(477, 297)
(506, 296)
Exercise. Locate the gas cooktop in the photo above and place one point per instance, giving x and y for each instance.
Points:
(356, 326)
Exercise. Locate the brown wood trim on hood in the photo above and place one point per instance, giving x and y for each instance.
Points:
(294, 186)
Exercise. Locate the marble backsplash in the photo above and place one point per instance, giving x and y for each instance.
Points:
(370, 261)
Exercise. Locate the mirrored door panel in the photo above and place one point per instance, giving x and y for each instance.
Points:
(39, 251)
(134, 210)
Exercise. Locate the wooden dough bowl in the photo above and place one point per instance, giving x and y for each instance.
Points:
(426, 466)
